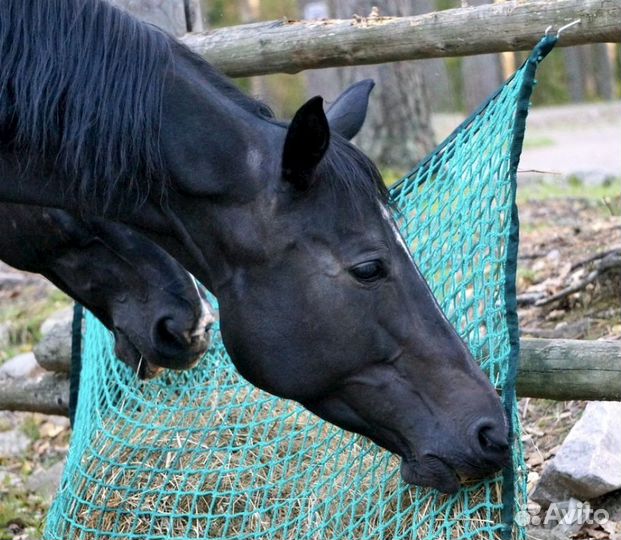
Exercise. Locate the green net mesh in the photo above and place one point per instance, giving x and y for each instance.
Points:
(203, 454)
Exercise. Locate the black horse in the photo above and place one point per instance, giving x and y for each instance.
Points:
(148, 300)
(287, 224)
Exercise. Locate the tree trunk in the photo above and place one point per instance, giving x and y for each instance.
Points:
(602, 71)
(397, 131)
(194, 16)
(175, 16)
(481, 74)
(576, 72)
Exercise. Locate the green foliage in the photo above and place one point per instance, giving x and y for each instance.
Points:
(454, 70)
(277, 9)
(606, 195)
(390, 176)
(447, 4)
(226, 13)
(538, 142)
(221, 13)
(526, 275)
(617, 70)
(30, 428)
(574, 188)
(552, 86)
(21, 510)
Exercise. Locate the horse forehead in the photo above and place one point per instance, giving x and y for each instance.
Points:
(339, 217)
(388, 219)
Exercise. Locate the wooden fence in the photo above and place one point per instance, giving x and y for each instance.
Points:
(289, 46)
(560, 369)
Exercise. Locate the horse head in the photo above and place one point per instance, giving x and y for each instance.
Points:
(320, 301)
(150, 302)
(159, 315)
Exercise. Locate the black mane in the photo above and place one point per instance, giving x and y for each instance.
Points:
(81, 84)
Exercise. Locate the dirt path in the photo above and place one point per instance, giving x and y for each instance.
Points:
(571, 139)
(565, 140)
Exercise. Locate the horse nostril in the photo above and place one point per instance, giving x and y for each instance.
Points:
(168, 337)
(491, 438)
(173, 345)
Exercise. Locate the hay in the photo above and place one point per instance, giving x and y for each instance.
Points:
(231, 461)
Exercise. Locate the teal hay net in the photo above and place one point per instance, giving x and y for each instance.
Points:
(203, 454)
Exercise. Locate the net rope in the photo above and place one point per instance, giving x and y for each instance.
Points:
(203, 454)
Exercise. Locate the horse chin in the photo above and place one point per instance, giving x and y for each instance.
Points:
(126, 351)
(147, 371)
(432, 472)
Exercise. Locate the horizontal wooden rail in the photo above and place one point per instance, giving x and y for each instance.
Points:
(565, 369)
(560, 369)
(286, 46)
(48, 395)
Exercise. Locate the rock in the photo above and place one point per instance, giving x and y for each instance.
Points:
(588, 463)
(45, 482)
(10, 280)
(536, 533)
(566, 518)
(553, 256)
(13, 443)
(611, 502)
(59, 317)
(53, 352)
(5, 423)
(539, 265)
(21, 366)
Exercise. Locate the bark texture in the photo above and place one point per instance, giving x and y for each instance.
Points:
(285, 46)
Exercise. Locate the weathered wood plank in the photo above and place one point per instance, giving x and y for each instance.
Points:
(565, 369)
(48, 395)
(560, 369)
(291, 46)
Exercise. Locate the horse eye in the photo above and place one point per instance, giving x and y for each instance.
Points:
(369, 271)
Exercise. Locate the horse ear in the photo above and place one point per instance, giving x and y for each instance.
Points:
(347, 114)
(306, 143)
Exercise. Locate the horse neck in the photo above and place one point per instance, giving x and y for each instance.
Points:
(219, 153)
(213, 142)
(25, 184)
(32, 237)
